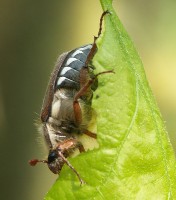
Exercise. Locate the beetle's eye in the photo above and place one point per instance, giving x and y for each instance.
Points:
(52, 156)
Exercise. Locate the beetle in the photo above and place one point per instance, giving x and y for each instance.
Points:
(66, 111)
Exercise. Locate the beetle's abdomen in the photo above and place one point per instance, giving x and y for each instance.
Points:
(69, 73)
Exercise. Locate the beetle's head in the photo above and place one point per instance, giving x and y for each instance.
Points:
(55, 162)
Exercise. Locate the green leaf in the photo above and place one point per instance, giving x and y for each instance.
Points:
(135, 159)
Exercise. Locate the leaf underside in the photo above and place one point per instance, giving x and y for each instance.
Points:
(135, 159)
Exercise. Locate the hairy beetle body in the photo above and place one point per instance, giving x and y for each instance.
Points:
(60, 119)
(66, 111)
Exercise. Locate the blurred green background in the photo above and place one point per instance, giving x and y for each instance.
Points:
(32, 35)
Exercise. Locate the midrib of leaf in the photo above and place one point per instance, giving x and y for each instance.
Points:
(106, 4)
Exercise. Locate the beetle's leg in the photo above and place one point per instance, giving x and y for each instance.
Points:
(86, 87)
(84, 77)
(81, 148)
(90, 134)
(71, 167)
(94, 46)
(101, 21)
(71, 144)
(66, 146)
(77, 112)
(78, 119)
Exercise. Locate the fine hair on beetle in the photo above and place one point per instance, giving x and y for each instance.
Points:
(66, 111)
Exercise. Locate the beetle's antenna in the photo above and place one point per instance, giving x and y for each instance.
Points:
(35, 161)
(71, 167)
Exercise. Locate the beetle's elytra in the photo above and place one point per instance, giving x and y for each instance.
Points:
(66, 110)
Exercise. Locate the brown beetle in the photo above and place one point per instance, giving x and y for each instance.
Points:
(66, 110)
